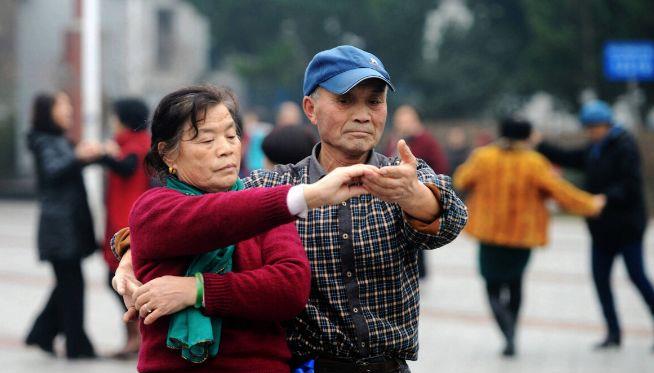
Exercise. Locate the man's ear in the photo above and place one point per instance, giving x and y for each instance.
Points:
(309, 107)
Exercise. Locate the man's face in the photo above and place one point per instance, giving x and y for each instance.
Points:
(596, 133)
(352, 123)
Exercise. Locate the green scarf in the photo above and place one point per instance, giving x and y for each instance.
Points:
(195, 334)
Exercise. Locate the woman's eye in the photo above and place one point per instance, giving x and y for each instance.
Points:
(206, 141)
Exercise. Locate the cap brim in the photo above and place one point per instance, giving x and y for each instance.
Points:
(345, 81)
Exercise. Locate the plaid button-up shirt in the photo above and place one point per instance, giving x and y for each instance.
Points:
(364, 291)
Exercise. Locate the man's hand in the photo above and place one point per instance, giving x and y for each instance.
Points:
(125, 283)
(400, 184)
(599, 202)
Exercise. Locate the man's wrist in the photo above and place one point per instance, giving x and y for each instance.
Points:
(422, 205)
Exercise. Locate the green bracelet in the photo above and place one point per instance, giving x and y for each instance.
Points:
(199, 285)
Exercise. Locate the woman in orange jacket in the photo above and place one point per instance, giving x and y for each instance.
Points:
(507, 185)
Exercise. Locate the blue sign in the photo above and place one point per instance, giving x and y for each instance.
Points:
(629, 61)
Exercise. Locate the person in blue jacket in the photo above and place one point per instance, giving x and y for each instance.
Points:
(611, 163)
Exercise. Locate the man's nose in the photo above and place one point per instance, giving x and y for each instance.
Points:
(361, 114)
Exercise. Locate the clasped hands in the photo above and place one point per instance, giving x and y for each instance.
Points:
(91, 150)
(396, 184)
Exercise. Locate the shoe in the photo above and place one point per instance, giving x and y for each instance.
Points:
(609, 343)
(509, 350)
(44, 346)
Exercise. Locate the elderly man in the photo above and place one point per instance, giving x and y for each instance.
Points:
(362, 314)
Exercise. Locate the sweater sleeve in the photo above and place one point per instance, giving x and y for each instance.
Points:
(571, 158)
(572, 199)
(165, 223)
(57, 159)
(279, 290)
(124, 167)
(466, 174)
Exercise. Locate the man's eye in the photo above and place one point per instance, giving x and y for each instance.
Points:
(206, 141)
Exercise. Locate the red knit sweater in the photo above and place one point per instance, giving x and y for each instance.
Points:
(270, 281)
(122, 192)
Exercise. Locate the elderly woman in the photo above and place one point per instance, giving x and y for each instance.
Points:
(246, 270)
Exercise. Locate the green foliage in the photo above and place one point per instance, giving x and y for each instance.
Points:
(513, 48)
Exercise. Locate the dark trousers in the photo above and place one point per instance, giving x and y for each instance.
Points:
(505, 299)
(64, 312)
(603, 259)
(370, 365)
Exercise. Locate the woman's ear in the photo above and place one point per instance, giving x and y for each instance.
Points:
(166, 156)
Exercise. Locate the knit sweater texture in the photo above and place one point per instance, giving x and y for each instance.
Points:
(270, 281)
(507, 190)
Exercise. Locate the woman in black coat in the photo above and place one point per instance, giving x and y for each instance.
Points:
(611, 164)
(65, 231)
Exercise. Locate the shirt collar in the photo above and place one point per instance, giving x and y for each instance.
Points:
(316, 171)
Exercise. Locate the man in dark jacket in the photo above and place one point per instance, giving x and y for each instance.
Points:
(611, 163)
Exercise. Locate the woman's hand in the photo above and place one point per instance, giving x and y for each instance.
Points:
(337, 186)
(164, 296)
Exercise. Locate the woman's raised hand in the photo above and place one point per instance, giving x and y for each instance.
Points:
(337, 186)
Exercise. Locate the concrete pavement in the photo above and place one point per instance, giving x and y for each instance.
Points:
(560, 317)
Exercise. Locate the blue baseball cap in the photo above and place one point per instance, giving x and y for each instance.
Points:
(596, 112)
(340, 69)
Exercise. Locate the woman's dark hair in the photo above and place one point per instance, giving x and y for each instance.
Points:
(132, 112)
(515, 128)
(42, 119)
(178, 108)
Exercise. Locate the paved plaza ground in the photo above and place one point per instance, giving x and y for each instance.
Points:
(560, 317)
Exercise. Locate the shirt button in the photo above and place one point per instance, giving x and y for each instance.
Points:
(363, 344)
(345, 236)
(355, 310)
(348, 274)
(344, 203)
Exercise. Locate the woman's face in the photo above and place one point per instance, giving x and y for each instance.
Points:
(62, 111)
(211, 160)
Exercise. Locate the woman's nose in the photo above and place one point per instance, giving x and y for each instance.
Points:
(224, 148)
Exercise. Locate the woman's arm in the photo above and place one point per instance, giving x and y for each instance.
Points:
(466, 175)
(278, 290)
(57, 159)
(124, 167)
(165, 223)
(572, 199)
